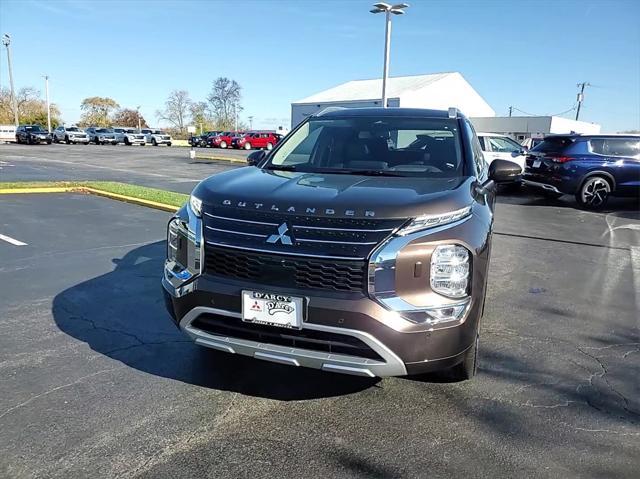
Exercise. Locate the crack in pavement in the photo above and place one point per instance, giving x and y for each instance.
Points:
(57, 388)
(602, 375)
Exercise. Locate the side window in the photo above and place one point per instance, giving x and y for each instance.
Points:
(624, 147)
(502, 145)
(598, 146)
(616, 147)
(482, 143)
(478, 156)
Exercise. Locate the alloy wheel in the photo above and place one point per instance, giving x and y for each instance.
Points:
(595, 192)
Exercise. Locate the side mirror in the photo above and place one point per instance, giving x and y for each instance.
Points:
(256, 157)
(503, 171)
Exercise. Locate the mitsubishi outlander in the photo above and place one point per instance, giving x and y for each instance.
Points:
(360, 245)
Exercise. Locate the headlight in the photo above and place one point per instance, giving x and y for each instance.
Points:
(173, 239)
(195, 204)
(450, 270)
(431, 221)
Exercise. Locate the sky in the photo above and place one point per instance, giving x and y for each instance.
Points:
(529, 55)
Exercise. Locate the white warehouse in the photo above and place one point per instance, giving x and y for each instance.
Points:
(438, 91)
(522, 127)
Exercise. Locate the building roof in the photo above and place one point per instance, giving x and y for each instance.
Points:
(371, 89)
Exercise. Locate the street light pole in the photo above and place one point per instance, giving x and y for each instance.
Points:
(138, 115)
(46, 94)
(6, 41)
(387, 10)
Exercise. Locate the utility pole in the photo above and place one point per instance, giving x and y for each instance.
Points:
(581, 96)
(387, 10)
(6, 41)
(510, 111)
(250, 122)
(138, 115)
(46, 94)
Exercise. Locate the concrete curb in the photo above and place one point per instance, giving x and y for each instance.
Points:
(92, 191)
(218, 158)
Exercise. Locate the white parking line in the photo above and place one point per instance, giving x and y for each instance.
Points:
(11, 240)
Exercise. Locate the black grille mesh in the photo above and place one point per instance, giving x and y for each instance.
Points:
(287, 271)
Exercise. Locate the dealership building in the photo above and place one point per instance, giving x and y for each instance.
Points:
(438, 91)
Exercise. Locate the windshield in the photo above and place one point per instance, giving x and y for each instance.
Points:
(105, 130)
(159, 132)
(73, 128)
(392, 146)
(35, 128)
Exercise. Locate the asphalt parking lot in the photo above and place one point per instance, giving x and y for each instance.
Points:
(96, 381)
(159, 167)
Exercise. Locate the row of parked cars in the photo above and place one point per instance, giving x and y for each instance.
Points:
(31, 134)
(249, 140)
(592, 168)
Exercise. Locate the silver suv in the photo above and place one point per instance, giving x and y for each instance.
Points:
(101, 136)
(157, 137)
(70, 134)
(134, 137)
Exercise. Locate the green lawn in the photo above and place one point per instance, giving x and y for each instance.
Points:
(140, 192)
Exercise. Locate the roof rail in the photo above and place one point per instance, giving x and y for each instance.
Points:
(329, 109)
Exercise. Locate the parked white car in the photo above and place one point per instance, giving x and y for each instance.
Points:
(134, 137)
(157, 137)
(500, 147)
(70, 134)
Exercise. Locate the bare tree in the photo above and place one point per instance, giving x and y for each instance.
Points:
(176, 109)
(225, 99)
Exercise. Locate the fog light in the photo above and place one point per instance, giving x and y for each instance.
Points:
(438, 316)
(450, 270)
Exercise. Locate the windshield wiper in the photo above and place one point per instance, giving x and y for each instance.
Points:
(348, 171)
(282, 167)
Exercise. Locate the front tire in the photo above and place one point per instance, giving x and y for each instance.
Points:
(223, 144)
(269, 146)
(469, 365)
(127, 142)
(247, 146)
(169, 144)
(594, 193)
(154, 142)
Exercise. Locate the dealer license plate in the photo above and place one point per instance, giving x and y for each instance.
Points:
(272, 309)
(536, 163)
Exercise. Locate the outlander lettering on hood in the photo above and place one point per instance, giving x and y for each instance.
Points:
(292, 209)
(359, 245)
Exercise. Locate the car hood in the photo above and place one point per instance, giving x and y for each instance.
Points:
(335, 195)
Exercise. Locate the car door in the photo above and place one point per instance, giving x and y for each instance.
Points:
(503, 148)
(622, 162)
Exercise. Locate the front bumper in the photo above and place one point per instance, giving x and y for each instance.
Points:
(401, 347)
(74, 139)
(136, 141)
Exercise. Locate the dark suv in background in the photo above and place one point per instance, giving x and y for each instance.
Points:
(32, 134)
(590, 167)
(360, 245)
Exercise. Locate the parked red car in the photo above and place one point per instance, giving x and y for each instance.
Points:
(256, 140)
(223, 140)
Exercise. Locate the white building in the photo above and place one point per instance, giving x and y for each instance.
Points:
(522, 127)
(437, 91)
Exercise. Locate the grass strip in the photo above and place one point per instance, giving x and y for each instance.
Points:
(144, 193)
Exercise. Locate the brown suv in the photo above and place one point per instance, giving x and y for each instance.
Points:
(360, 244)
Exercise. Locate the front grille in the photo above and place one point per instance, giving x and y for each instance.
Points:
(305, 338)
(286, 271)
(309, 235)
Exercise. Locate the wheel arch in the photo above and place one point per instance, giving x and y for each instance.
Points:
(603, 173)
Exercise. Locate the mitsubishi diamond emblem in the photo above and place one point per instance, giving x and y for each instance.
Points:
(281, 236)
